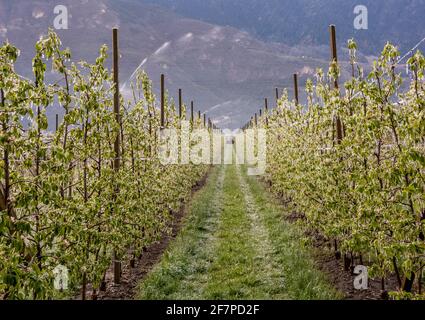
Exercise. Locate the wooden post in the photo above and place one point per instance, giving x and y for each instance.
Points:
(180, 104)
(205, 120)
(277, 101)
(334, 55)
(191, 111)
(57, 122)
(199, 115)
(266, 109)
(332, 30)
(261, 112)
(296, 88)
(256, 119)
(162, 101)
(117, 163)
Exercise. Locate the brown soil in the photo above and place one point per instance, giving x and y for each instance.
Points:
(343, 280)
(131, 277)
(322, 253)
(333, 268)
(295, 216)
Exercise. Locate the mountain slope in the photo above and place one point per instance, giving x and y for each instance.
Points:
(227, 72)
(305, 21)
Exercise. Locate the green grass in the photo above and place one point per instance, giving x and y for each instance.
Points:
(235, 245)
(302, 280)
(181, 272)
(236, 273)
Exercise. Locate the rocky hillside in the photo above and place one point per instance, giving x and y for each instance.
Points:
(304, 21)
(227, 72)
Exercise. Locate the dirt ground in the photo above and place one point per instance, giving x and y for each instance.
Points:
(343, 280)
(131, 277)
(325, 260)
(333, 268)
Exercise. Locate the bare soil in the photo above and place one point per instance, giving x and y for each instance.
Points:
(130, 277)
(333, 268)
(322, 254)
(343, 280)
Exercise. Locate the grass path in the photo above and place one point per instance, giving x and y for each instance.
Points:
(235, 245)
